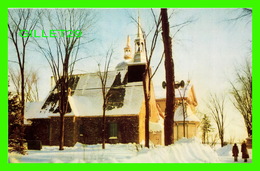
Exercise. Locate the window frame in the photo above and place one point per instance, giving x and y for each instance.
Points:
(113, 130)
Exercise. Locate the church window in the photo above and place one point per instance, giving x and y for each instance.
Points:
(113, 130)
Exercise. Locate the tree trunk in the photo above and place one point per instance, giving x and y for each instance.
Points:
(104, 126)
(147, 109)
(22, 106)
(62, 131)
(63, 106)
(22, 94)
(169, 70)
(203, 137)
(222, 141)
(183, 112)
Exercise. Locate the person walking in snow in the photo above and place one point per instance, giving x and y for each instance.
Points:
(244, 151)
(235, 152)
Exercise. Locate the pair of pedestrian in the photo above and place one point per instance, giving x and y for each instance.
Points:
(244, 151)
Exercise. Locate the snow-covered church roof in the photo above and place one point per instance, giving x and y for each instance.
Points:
(86, 97)
(32, 110)
(124, 98)
(189, 114)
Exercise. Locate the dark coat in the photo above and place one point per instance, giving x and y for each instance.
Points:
(235, 150)
(244, 151)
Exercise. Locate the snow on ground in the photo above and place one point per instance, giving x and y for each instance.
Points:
(225, 154)
(80, 153)
(183, 151)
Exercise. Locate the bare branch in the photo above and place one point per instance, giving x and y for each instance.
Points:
(180, 26)
(157, 67)
(61, 51)
(216, 106)
(21, 19)
(241, 90)
(103, 76)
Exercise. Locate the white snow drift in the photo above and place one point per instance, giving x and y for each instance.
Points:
(183, 151)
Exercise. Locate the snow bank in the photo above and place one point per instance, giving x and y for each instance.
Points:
(183, 151)
(225, 151)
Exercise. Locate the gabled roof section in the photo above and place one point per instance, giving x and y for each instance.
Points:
(123, 98)
(86, 97)
(189, 114)
(51, 103)
(188, 93)
(32, 110)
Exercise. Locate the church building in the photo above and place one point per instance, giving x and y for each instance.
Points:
(125, 111)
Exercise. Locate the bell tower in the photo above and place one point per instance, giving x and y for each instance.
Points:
(139, 55)
(127, 50)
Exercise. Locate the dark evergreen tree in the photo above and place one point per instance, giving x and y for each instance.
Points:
(15, 125)
(206, 128)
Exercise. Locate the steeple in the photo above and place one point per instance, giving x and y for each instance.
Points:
(139, 31)
(139, 55)
(127, 49)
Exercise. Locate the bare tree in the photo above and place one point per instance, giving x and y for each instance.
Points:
(242, 94)
(32, 91)
(103, 75)
(183, 102)
(30, 84)
(15, 80)
(148, 74)
(18, 20)
(242, 85)
(169, 70)
(61, 50)
(213, 140)
(216, 106)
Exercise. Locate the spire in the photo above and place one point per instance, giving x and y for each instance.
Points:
(139, 44)
(139, 30)
(127, 49)
(128, 41)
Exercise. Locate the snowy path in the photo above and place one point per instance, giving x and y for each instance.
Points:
(230, 159)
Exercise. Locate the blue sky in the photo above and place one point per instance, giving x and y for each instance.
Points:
(205, 51)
